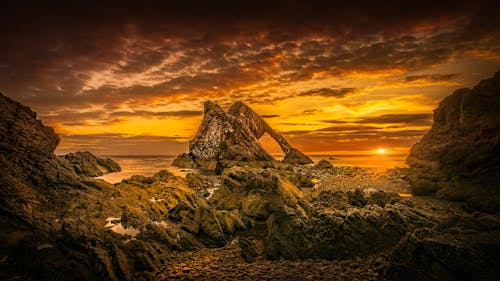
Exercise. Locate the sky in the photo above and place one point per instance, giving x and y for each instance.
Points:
(333, 77)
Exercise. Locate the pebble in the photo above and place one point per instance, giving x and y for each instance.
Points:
(226, 263)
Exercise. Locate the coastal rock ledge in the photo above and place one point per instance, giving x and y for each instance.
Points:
(233, 136)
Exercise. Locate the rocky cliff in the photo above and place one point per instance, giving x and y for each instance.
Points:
(27, 160)
(460, 155)
(233, 136)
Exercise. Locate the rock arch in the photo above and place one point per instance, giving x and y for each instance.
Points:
(233, 136)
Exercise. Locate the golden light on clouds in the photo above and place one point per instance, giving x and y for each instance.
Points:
(328, 84)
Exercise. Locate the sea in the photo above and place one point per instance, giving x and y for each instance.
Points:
(148, 165)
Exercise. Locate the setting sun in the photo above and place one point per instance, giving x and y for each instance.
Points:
(381, 150)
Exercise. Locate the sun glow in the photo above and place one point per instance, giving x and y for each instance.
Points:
(381, 151)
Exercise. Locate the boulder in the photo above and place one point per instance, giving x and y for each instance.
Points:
(459, 157)
(256, 193)
(233, 136)
(248, 249)
(86, 164)
(323, 165)
(185, 160)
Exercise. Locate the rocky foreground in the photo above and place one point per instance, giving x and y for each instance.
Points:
(227, 263)
(254, 217)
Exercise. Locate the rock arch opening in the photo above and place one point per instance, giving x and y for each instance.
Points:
(271, 146)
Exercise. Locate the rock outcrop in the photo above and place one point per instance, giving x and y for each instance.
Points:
(256, 193)
(27, 160)
(86, 164)
(459, 158)
(463, 248)
(342, 225)
(233, 136)
(59, 225)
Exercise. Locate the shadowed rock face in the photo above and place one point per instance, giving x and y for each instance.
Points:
(233, 136)
(463, 146)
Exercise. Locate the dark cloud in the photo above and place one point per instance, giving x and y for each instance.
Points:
(431, 77)
(156, 114)
(270, 115)
(297, 124)
(345, 128)
(354, 140)
(65, 59)
(417, 119)
(104, 117)
(410, 119)
(77, 123)
(121, 144)
(310, 111)
(329, 92)
(335, 121)
(48, 51)
(296, 132)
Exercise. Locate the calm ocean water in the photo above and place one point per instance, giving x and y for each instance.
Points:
(149, 165)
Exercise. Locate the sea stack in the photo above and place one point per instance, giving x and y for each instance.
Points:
(233, 136)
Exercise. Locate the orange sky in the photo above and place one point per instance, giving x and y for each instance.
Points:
(341, 80)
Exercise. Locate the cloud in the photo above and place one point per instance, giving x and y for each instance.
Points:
(310, 111)
(270, 115)
(329, 92)
(413, 119)
(297, 124)
(362, 140)
(346, 128)
(335, 121)
(156, 114)
(121, 144)
(78, 65)
(165, 50)
(416, 119)
(431, 77)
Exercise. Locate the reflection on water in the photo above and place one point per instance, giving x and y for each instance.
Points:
(117, 227)
(149, 165)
